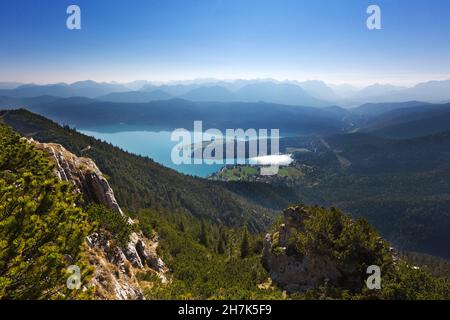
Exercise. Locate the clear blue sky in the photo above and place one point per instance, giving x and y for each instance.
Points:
(186, 39)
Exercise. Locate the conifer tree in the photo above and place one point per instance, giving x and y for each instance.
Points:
(204, 240)
(245, 244)
(221, 246)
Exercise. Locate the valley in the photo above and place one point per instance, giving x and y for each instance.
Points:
(366, 173)
(195, 258)
(209, 221)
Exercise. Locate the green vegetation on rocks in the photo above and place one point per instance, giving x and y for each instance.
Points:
(42, 230)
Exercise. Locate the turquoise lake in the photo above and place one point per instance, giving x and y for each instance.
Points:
(156, 144)
(151, 142)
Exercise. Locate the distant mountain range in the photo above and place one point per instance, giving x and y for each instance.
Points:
(15, 103)
(375, 91)
(391, 120)
(308, 93)
(259, 91)
(88, 89)
(432, 91)
(136, 96)
(179, 113)
(215, 93)
(9, 85)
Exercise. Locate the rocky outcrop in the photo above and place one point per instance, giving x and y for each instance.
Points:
(115, 267)
(323, 248)
(82, 172)
(292, 272)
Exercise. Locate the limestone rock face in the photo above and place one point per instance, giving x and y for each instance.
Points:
(116, 268)
(291, 272)
(83, 173)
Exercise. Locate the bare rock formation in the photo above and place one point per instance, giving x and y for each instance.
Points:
(115, 267)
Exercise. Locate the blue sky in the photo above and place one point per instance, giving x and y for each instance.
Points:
(187, 39)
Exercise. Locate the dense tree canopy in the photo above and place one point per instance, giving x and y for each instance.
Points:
(42, 230)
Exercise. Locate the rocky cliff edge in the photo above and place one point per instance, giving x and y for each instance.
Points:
(115, 267)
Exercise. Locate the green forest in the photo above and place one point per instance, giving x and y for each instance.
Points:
(210, 242)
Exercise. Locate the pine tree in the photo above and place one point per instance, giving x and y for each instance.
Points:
(221, 246)
(181, 225)
(204, 239)
(245, 244)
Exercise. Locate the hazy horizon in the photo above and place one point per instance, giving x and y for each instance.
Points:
(208, 81)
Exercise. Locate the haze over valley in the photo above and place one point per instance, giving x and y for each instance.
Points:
(369, 140)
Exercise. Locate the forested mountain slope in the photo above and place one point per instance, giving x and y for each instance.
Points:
(411, 122)
(141, 183)
(403, 193)
(401, 186)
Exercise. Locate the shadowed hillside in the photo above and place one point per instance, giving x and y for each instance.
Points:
(142, 183)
